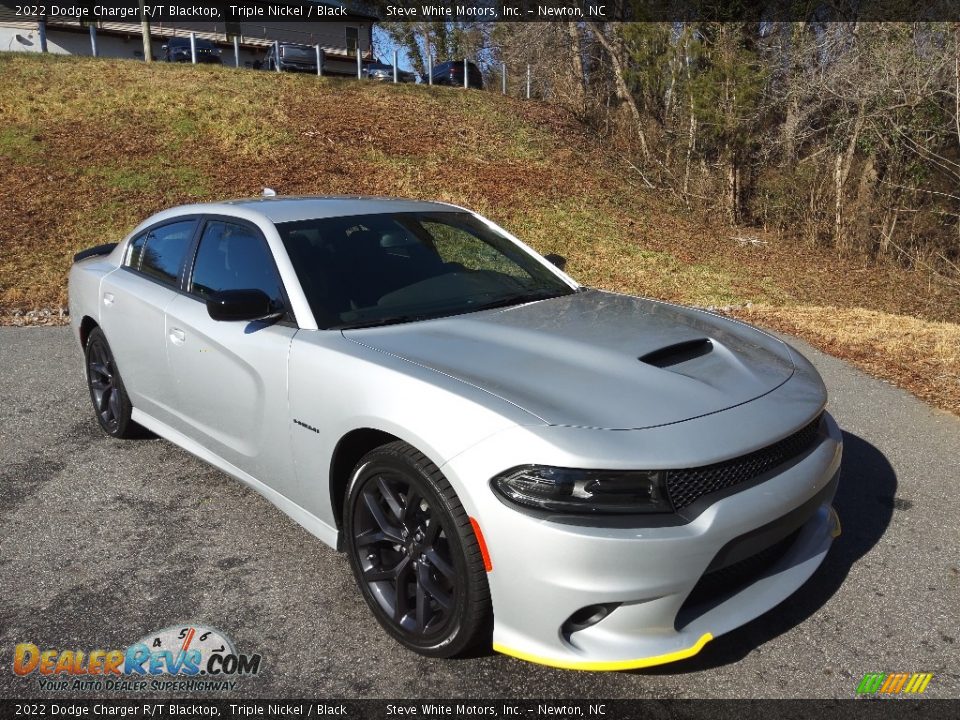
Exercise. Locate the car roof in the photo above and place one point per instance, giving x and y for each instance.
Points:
(280, 209)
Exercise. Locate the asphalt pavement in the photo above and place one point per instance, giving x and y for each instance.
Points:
(104, 541)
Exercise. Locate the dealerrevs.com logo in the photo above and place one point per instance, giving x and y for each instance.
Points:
(183, 658)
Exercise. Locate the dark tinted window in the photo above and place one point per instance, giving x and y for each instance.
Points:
(383, 268)
(234, 257)
(163, 250)
(135, 251)
(295, 52)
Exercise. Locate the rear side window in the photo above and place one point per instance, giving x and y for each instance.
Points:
(135, 251)
(234, 257)
(159, 253)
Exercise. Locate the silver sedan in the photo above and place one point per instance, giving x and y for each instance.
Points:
(579, 478)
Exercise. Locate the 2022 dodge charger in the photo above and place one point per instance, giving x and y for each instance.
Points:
(600, 481)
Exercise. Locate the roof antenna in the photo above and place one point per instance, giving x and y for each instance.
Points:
(268, 192)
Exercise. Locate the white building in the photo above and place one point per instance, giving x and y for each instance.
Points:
(339, 39)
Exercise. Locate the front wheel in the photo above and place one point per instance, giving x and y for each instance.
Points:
(414, 554)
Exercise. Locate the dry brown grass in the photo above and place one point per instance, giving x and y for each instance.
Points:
(922, 356)
(90, 147)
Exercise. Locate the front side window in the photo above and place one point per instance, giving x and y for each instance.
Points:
(234, 257)
(378, 269)
(159, 253)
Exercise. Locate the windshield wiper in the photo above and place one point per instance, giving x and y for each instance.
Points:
(376, 322)
(518, 298)
(502, 301)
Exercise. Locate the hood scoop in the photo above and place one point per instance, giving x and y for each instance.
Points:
(677, 353)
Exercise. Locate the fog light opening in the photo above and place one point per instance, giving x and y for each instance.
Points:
(586, 617)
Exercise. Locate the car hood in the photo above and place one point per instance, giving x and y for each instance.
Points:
(596, 359)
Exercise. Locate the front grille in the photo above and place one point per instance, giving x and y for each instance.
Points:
(686, 486)
(717, 585)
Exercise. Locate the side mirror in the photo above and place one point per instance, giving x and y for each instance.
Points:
(559, 260)
(242, 305)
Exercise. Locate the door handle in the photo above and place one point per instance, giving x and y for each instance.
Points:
(108, 298)
(177, 336)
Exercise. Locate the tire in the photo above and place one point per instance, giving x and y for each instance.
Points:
(414, 554)
(111, 405)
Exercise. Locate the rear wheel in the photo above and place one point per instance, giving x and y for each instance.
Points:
(109, 397)
(414, 554)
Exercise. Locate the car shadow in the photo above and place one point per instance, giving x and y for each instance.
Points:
(865, 501)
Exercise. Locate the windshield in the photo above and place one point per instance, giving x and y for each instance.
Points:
(298, 53)
(371, 270)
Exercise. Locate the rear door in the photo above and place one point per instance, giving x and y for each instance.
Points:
(231, 377)
(133, 301)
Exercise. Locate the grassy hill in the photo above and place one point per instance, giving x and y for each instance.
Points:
(90, 147)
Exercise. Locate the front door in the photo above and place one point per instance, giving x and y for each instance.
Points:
(231, 377)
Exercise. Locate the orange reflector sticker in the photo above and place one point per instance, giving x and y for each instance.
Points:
(487, 565)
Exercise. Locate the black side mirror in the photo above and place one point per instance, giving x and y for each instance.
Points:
(243, 305)
(559, 260)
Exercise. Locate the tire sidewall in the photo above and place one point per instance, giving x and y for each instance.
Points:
(383, 462)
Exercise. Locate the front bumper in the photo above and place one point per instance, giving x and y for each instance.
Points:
(545, 571)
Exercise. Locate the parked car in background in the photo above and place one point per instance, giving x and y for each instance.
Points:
(178, 50)
(384, 73)
(451, 73)
(292, 58)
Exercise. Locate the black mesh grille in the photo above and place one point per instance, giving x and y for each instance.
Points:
(717, 585)
(686, 486)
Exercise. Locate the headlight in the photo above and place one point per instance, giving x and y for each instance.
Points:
(620, 492)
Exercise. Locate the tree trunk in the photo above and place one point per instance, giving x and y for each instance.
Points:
(576, 64)
(791, 124)
(623, 92)
(733, 188)
(692, 134)
(838, 215)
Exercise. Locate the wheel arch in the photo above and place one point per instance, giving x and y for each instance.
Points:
(87, 324)
(347, 453)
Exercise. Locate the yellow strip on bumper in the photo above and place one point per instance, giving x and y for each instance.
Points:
(601, 666)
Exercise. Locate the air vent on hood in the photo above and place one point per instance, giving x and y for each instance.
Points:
(677, 353)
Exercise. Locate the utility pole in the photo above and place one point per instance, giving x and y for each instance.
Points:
(145, 29)
(42, 30)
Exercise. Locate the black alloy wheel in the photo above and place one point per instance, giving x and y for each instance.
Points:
(414, 554)
(107, 393)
